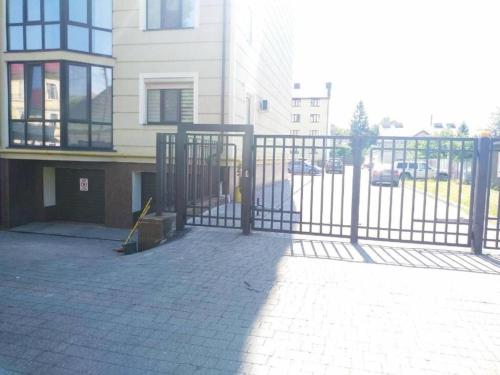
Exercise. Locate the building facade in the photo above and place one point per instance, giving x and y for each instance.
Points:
(311, 113)
(87, 84)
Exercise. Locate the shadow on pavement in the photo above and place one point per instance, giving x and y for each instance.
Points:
(395, 256)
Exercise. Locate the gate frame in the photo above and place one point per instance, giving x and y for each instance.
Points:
(181, 140)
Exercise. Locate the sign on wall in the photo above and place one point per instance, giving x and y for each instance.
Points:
(84, 184)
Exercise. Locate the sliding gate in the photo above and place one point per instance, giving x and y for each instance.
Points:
(384, 188)
(407, 189)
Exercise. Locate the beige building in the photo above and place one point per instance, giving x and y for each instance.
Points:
(311, 111)
(87, 84)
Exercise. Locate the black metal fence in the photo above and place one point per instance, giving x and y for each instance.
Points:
(436, 190)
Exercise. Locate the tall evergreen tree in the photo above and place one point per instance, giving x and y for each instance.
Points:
(463, 130)
(359, 122)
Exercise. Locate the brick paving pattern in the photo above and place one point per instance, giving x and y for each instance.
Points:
(216, 302)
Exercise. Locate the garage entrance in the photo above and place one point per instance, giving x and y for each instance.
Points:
(80, 195)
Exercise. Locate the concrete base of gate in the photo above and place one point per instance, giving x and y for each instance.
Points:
(154, 230)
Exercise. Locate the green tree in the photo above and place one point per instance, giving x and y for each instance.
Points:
(359, 122)
(463, 130)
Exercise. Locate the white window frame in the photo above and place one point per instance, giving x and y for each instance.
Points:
(143, 14)
(296, 116)
(315, 118)
(146, 79)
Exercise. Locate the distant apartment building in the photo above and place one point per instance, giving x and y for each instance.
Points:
(311, 111)
(87, 84)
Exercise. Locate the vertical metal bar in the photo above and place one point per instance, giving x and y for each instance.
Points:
(482, 183)
(254, 149)
(313, 173)
(332, 190)
(414, 188)
(180, 180)
(379, 207)
(282, 180)
(426, 174)
(497, 232)
(322, 185)
(273, 181)
(202, 180)
(393, 155)
(226, 177)
(302, 160)
(460, 181)
(472, 189)
(160, 171)
(246, 181)
(194, 179)
(235, 162)
(402, 178)
(368, 203)
(450, 156)
(264, 162)
(356, 183)
(210, 179)
(436, 192)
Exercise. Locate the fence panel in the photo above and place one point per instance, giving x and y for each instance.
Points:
(492, 223)
(418, 190)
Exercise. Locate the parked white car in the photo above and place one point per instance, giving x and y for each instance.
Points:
(411, 170)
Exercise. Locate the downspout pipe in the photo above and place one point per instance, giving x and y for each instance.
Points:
(223, 66)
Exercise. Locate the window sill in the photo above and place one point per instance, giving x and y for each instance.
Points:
(172, 28)
(62, 149)
(58, 50)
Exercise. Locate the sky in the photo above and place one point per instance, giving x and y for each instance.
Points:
(406, 59)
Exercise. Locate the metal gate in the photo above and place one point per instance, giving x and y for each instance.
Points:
(406, 189)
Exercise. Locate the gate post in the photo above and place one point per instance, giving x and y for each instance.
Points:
(160, 173)
(356, 182)
(480, 193)
(246, 182)
(180, 177)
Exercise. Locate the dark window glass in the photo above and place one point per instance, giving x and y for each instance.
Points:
(34, 37)
(78, 135)
(101, 136)
(34, 10)
(34, 135)
(102, 13)
(77, 87)
(170, 14)
(170, 104)
(78, 11)
(52, 134)
(51, 10)
(52, 36)
(17, 133)
(154, 99)
(101, 94)
(17, 91)
(52, 89)
(16, 36)
(101, 42)
(15, 11)
(35, 91)
(78, 38)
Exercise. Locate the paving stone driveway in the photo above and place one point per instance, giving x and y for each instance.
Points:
(217, 302)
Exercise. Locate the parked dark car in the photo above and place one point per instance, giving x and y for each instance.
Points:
(334, 166)
(303, 166)
(385, 174)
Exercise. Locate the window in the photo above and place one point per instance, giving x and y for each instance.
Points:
(36, 25)
(295, 118)
(29, 28)
(296, 86)
(314, 118)
(170, 14)
(36, 105)
(314, 102)
(314, 132)
(294, 132)
(296, 102)
(169, 106)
